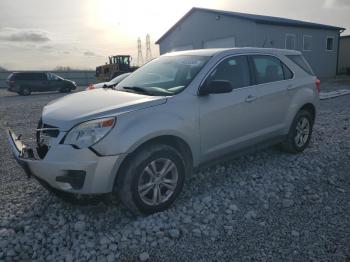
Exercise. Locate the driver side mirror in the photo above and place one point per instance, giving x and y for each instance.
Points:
(215, 87)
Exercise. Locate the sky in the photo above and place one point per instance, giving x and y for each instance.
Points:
(44, 34)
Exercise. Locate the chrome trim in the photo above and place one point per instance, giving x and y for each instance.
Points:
(47, 129)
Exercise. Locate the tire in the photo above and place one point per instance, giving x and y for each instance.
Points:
(300, 132)
(25, 91)
(132, 187)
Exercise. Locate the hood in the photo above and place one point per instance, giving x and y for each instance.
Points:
(70, 81)
(73, 109)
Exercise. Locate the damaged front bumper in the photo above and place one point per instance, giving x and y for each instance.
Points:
(65, 168)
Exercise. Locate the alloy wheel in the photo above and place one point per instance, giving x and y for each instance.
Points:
(302, 132)
(158, 181)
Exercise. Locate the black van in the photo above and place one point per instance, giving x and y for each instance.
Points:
(24, 83)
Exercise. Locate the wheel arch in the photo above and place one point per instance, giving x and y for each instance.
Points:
(171, 140)
(311, 108)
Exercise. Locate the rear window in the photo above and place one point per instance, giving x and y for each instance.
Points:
(11, 77)
(267, 69)
(302, 63)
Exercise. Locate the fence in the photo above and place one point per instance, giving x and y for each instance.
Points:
(82, 78)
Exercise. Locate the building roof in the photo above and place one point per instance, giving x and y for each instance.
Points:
(256, 18)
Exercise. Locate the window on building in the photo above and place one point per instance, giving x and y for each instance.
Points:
(267, 69)
(330, 44)
(233, 69)
(290, 41)
(307, 43)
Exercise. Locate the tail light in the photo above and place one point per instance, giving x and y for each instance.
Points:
(318, 85)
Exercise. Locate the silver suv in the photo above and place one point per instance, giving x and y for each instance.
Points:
(179, 111)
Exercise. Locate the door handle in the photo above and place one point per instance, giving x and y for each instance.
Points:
(250, 98)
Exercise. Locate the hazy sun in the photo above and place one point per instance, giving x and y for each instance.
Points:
(137, 17)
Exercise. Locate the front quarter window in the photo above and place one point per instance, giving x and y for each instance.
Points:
(166, 75)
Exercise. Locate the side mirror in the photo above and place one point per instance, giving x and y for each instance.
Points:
(215, 87)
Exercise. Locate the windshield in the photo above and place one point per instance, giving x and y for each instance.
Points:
(52, 76)
(118, 79)
(166, 75)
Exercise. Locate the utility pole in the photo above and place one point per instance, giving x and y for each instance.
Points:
(148, 48)
(139, 53)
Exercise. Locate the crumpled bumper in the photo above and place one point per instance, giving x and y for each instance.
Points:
(66, 168)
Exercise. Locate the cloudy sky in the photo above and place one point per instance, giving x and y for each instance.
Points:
(43, 34)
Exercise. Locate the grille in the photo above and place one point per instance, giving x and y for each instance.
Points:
(43, 135)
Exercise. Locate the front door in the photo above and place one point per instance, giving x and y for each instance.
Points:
(54, 82)
(226, 119)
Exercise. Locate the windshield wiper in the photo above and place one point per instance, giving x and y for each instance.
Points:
(137, 89)
(109, 86)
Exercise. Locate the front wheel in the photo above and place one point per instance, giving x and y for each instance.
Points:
(300, 132)
(152, 179)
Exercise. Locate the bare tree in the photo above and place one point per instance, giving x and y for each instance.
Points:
(62, 68)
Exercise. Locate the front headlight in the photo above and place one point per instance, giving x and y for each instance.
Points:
(89, 133)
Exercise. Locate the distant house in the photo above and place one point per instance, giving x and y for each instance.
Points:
(208, 28)
(344, 55)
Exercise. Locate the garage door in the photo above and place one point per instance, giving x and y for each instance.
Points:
(221, 43)
(182, 48)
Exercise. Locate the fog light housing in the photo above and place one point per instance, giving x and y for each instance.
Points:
(75, 178)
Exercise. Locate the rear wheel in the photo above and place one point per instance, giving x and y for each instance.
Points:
(25, 91)
(300, 132)
(152, 179)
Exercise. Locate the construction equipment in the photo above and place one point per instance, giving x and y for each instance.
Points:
(116, 65)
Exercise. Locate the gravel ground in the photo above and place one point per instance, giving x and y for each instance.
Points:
(266, 206)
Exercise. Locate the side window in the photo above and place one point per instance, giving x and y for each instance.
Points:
(302, 63)
(51, 76)
(267, 69)
(288, 74)
(19, 76)
(38, 77)
(26, 76)
(234, 69)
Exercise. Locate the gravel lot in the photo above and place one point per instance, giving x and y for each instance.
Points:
(266, 206)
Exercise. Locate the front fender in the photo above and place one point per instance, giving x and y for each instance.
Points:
(135, 128)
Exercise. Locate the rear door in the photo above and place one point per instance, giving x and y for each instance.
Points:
(270, 100)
